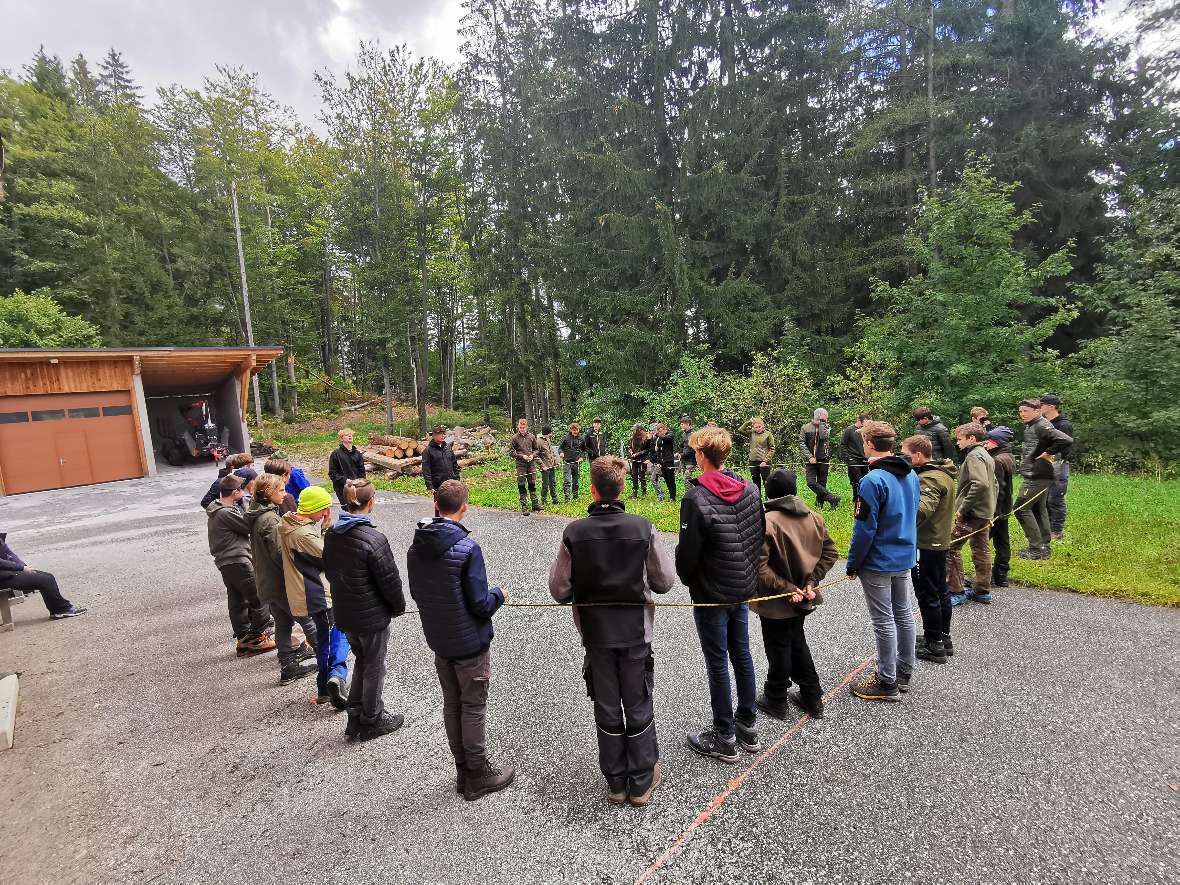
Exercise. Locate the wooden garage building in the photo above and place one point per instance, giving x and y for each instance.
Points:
(80, 416)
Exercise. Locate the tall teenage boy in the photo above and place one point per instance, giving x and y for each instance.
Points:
(606, 557)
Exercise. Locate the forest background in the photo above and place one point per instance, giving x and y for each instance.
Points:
(638, 208)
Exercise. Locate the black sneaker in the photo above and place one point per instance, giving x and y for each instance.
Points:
(747, 738)
(536, 507)
(489, 779)
(771, 708)
(296, 671)
(835, 501)
(903, 679)
(336, 694)
(708, 743)
(387, 724)
(1029, 553)
(524, 510)
(305, 652)
(353, 728)
(72, 612)
(948, 645)
(460, 778)
(872, 688)
(934, 652)
(814, 709)
(1044, 553)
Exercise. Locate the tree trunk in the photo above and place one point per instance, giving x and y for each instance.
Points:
(291, 378)
(931, 169)
(388, 398)
(276, 402)
(423, 329)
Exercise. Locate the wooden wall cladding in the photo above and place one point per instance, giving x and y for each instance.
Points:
(67, 376)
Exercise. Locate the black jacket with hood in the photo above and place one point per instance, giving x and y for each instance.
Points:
(449, 582)
(439, 464)
(721, 529)
(366, 585)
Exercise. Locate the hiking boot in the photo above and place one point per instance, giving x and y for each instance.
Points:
(298, 670)
(1044, 553)
(336, 694)
(353, 727)
(934, 652)
(387, 724)
(72, 612)
(1029, 553)
(657, 778)
(814, 709)
(460, 777)
(958, 599)
(948, 645)
(903, 679)
(773, 709)
(872, 688)
(835, 501)
(983, 596)
(536, 507)
(488, 779)
(617, 797)
(709, 743)
(524, 509)
(1002, 583)
(747, 738)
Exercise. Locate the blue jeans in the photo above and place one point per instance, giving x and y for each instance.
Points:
(888, 599)
(725, 639)
(331, 651)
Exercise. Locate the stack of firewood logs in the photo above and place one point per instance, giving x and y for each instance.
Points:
(394, 456)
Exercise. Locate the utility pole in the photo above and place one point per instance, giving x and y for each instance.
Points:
(233, 191)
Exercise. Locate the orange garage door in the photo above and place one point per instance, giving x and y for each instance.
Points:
(73, 439)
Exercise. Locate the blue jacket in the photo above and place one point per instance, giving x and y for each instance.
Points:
(450, 584)
(297, 482)
(885, 530)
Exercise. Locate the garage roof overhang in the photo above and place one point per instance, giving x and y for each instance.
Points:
(165, 370)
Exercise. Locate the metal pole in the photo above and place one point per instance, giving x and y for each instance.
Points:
(233, 191)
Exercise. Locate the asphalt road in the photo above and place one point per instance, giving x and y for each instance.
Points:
(1048, 750)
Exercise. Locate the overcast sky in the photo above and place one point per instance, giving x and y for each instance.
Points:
(179, 41)
(285, 41)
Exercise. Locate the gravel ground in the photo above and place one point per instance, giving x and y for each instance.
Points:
(1047, 750)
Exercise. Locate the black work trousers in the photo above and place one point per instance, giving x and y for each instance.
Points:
(1002, 543)
(621, 683)
(465, 685)
(248, 615)
(856, 472)
(759, 475)
(934, 597)
(788, 659)
(638, 479)
(817, 481)
(528, 480)
(365, 694)
(669, 474)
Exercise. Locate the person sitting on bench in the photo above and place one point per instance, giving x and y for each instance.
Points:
(15, 575)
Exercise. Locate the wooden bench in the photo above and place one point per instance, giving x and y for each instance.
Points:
(9, 596)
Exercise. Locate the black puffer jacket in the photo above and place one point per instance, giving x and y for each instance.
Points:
(366, 585)
(940, 440)
(439, 464)
(721, 530)
(449, 582)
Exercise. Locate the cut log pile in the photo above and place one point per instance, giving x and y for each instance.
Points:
(394, 456)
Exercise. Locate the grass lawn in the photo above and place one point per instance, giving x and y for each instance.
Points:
(1120, 540)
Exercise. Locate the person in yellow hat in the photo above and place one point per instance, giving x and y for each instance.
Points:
(308, 592)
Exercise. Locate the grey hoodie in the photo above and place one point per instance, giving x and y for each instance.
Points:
(229, 535)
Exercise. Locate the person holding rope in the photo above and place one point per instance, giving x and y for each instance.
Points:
(663, 456)
(523, 449)
(936, 517)
(229, 545)
(638, 456)
(797, 553)
(999, 447)
(688, 458)
(815, 443)
(852, 451)
(721, 532)
(611, 556)
(346, 462)
(548, 464)
(883, 551)
(573, 451)
(366, 596)
(762, 448)
(438, 461)
(975, 505)
(1051, 409)
(449, 582)
(595, 442)
(1042, 444)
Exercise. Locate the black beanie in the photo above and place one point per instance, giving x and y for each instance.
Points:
(781, 483)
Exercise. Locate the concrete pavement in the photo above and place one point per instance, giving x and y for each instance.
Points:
(1047, 750)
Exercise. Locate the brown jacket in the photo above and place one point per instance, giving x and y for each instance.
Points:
(523, 449)
(796, 551)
